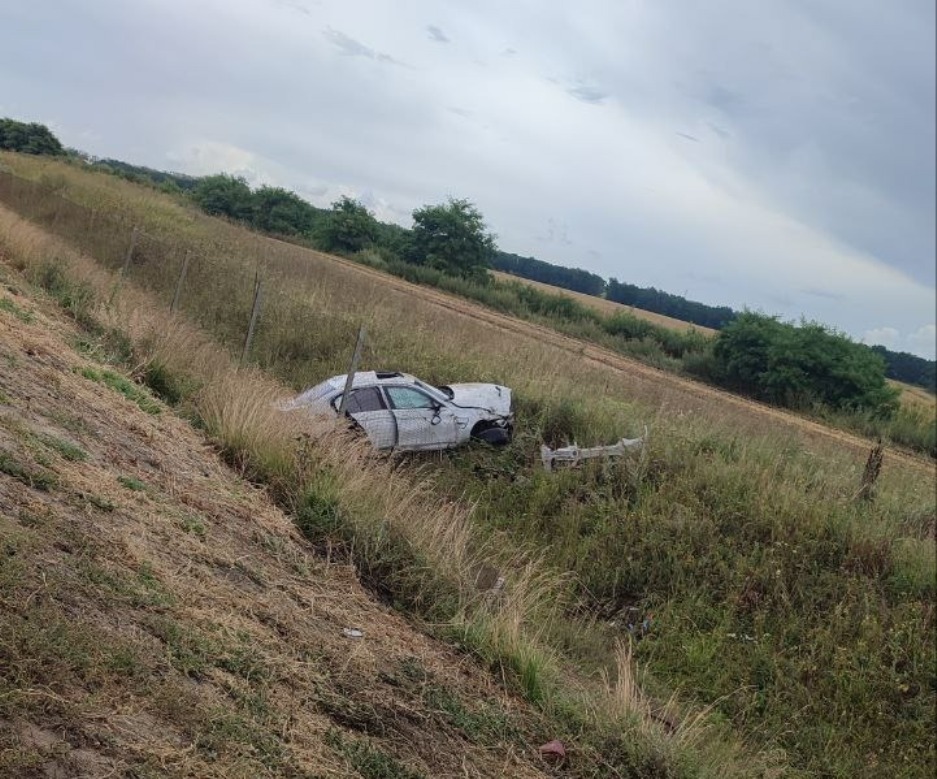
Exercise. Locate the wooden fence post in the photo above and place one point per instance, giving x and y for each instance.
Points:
(352, 369)
(255, 309)
(180, 281)
(873, 467)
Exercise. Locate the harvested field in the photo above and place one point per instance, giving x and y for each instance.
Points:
(607, 307)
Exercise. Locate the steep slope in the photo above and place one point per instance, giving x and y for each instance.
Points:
(158, 616)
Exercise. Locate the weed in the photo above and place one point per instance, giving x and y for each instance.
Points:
(368, 760)
(65, 449)
(190, 523)
(22, 314)
(34, 518)
(190, 652)
(489, 725)
(77, 298)
(124, 386)
(131, 483)
(100, 503)
(71, 422)
(227, 729)
(42, 480)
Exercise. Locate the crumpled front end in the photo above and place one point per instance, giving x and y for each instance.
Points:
(493, 399)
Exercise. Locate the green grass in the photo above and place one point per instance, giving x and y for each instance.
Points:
(131, 483)
(65, 449)
(37, 478)
(194, 525)
(369, 761)
(20, 313)
(125, 387)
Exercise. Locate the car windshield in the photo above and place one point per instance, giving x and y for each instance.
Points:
(434, 391)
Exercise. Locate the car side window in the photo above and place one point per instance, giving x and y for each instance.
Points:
(364, 399)
(407, 397)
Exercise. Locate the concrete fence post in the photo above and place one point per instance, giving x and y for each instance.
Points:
(255, 310)
(180, 281)
(352, 369)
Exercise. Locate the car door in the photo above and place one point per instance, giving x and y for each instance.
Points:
(367, 407)
(422, 422)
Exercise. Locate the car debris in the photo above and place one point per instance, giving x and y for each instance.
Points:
(574, 455)
(554, 751)
(400, 412)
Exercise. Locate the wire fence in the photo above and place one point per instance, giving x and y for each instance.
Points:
(169, 269)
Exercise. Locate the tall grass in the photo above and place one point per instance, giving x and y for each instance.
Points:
(418, 549)
(802, 616)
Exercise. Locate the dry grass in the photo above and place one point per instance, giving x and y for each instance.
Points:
(916, 397)
(608, 307)
(183, 627)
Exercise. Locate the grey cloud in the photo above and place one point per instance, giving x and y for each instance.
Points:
(718, 130)
(295, 5)
(725, 100)
(352, 48)
(688, 136)
(823, 293)
(829, 110)
(436, 34)
(587, 94)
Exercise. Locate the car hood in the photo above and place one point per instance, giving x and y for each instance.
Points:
(490, 397)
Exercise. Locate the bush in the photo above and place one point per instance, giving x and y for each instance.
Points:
(799, 367)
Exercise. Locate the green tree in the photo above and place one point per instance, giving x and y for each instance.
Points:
(801, 366)
(225, 195)
(348, 227)
(277, 210)
(31, 138)
(452, 238)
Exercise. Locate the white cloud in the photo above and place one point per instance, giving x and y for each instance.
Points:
(888, 337)
(204, 158)
(923, 342)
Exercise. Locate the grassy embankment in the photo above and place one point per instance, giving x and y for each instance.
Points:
(160, 618)
(408, 543)
(803, 616)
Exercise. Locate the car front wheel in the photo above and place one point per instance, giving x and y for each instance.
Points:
(492, 434)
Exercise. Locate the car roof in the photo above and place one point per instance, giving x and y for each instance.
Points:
(370, 378)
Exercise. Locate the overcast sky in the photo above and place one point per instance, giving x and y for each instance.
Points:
(775, 154)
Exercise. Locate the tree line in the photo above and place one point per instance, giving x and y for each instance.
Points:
(796, 366)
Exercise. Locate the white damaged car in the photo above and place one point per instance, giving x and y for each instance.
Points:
(398, 411)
